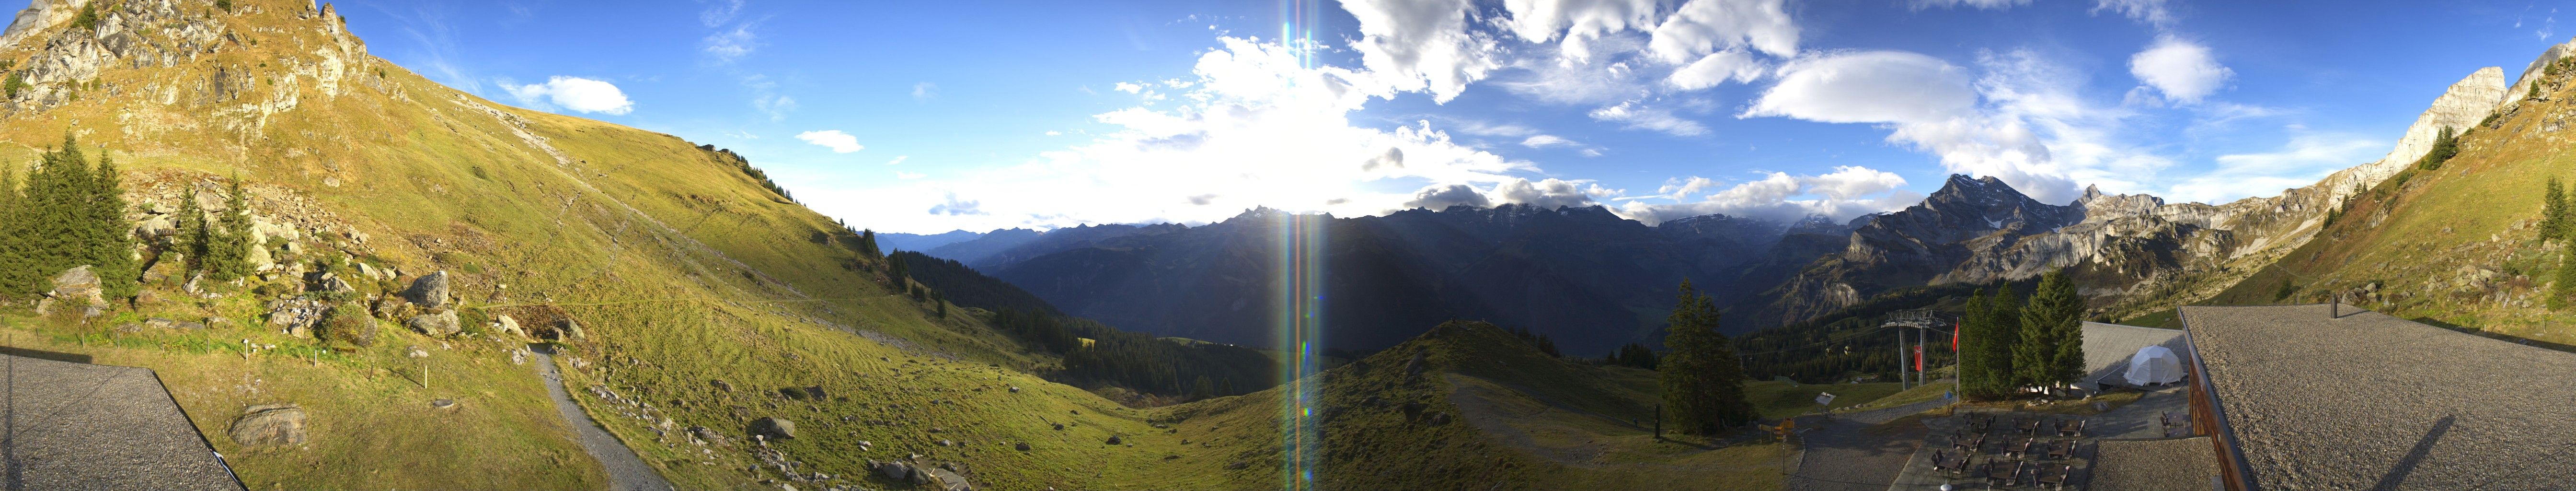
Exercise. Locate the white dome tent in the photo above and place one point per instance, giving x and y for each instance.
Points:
(2154, 365)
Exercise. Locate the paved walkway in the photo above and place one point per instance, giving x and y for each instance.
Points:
(74, 426)
(1851, 452)
(626, 472)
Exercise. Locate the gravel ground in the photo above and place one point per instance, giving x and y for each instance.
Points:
(625, 471)
(77, 426)
(1847, 455)
(2153, 465)
(2141, 419)
(2368, 401)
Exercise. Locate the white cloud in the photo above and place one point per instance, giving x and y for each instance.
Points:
(1256, 125)
(1847, 192)
(1441, 197)
(834, 139)
(1980, 4)
(2152, 12)
(909, 175)
(2302, 161)
(924, 91)
(574, 93)
(1932, 106)
(1549, 193)
(776, 106)
(1717, 68)
(723, 11)
(1579, 22)
(1419, 45)
(731, 44)
(1129, 87)
(1544, 141)
(1053, 133)
(898, 160)
(2183, 70)
(1704, 26)
(1639, 116)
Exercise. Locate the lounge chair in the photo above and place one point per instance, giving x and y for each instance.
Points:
(2019, 449)
(2070, 428)
(1998, 474)
(1970, 443)
(2027, 426)
(1949, 463)
(2065, 474)
(2062, 450)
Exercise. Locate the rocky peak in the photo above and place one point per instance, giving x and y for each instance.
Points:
(2463, 105)
(2531, 73)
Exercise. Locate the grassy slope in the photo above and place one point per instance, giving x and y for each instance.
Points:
(733, 289)
(1514, 416)
(2425, 242)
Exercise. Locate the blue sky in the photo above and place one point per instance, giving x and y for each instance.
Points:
(930, 116)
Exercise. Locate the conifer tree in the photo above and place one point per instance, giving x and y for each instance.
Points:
(1977, 374)
(2445, 145)
(2052, 346)
(107, 240)
(2553, 212)
(868, 244)
(2566, 283)
(1702, 381)
(17, 268)
(193, 236)
(228, 251)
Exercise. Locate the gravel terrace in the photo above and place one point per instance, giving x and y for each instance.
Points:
(1849, 455)
(2368, 401)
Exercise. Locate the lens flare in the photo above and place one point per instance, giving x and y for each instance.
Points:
(1300, 327)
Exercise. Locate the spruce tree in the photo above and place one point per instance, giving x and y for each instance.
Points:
(1975, 376)
(228, 251)
(2566, 283)
(868, 244)
(2003, 318)
(2052, 350)
(109, 242)
(1702, 381)
(17, 259)
(2553, 212)
(194, 237)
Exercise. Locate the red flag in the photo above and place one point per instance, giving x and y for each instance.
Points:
(1954, 337)
(1918, 358)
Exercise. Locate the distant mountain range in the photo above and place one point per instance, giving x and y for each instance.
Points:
(1592, 280)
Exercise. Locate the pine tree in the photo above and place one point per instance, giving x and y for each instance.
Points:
(2445, 145)
(193, 236)
(2553, 212)
(2003, 318)
(2052, 349)
(868, 244)
(1702, 381)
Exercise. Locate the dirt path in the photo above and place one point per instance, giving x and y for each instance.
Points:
(626, 472)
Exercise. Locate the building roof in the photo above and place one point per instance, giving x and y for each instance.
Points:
(2107, 348)
(2153, 465)
(2368, 401)
(77, 426)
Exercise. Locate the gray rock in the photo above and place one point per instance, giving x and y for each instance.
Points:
(774, 428)
(158, 323)
(270, 424)
(415, 351)
(896, 470)
(941, 478)
(509, 326)
(78, 287)
(1022, 446)
(430, 291)
(438, 324)
(707, 435)
(259, 259)
(159, 226)
(443, 403)
(721, 385)
(1113, 440)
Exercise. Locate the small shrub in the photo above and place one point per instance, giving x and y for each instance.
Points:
(349, 323)
(88, 17)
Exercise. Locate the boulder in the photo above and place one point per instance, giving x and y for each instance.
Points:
(159, 323)
(509, 326)
(721, 385)
(429, 291)
(333, 283)
(941, 479)
(896, 470)
(706, 435)
(774, 428)
(270, 424)
(1114, 440)
(259, 259)
(438, 324)
(78, 287)
(1022, 446)
(158, 226)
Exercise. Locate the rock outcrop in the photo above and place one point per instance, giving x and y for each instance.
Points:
(438, 324)
(76, 288)
(774, 428)
(430, 292)
(270, 424)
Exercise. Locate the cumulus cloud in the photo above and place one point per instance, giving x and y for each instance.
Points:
(1548, 193)
(954, 206)
(1931, 106)
(574, 93)
(1441, 197)
(1847, 192)
(1704, 26)
(1545, 141)
(834, 139)
(2182, 70)
(1422, 44)
(1579, 22)
(1255, 125)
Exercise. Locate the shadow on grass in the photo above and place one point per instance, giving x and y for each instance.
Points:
(44, 355)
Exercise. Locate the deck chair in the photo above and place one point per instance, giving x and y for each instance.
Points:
(1998, 474)
(2062, 450)
(2070, 428)
(2027, 426)
(1971, 444)
(2019, 449)
(2065, 473)
(1948, 463)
